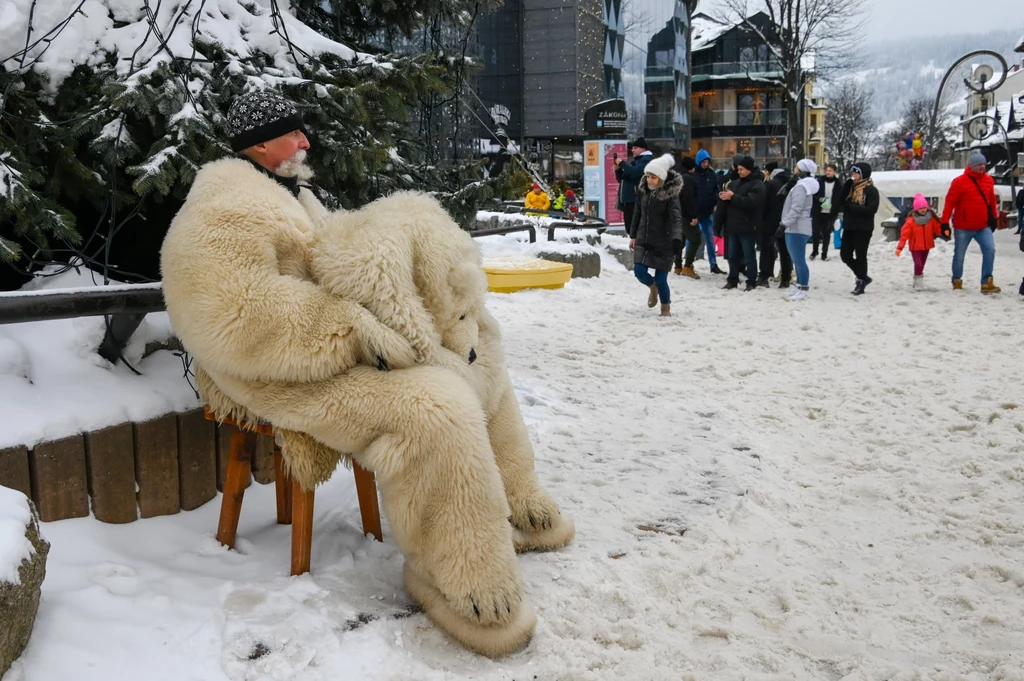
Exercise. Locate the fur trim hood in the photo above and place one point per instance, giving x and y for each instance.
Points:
(669, 189)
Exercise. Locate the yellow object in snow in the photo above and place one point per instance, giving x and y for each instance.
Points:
(515, 273)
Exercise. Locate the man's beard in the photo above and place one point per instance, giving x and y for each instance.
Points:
(296, 167)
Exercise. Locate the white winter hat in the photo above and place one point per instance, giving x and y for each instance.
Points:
(660, 166)
(808, 166)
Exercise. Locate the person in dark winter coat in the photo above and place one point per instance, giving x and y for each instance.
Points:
(691, 229)
(860, 203)
(706, 183)
(741, 213)
(825, 210)
(656, 232)
(1020, 211)
(776, 189)
(629, 176)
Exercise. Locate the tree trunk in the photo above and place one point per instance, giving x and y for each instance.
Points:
(794, 118)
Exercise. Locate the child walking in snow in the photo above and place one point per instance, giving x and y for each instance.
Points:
(920, 230)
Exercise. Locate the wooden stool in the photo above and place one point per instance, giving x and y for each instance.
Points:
(293, 504)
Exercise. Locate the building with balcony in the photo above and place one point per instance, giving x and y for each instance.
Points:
(738, 104)
(544, 63)
(734, 110)
(667, 82)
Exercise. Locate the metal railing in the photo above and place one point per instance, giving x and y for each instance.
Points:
(763, 69)
(708, 117)
(126, 305)
(659, 73)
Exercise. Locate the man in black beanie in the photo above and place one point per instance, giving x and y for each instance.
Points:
(691, 228)
(268, 131)
(741, 211)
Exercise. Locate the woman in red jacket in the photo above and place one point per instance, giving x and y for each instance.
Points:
(972, 204)
(920, 231)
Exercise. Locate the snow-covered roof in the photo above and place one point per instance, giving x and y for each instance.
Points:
(706, 30)
(1020, 45)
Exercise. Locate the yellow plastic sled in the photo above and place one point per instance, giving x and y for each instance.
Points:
(515, 273)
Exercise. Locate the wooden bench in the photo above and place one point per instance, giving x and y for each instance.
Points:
(294, 505)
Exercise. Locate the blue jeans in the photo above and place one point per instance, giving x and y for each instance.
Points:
(962, 238)
(660, 279)
(707, 228)
(739, 247)
(796, 244)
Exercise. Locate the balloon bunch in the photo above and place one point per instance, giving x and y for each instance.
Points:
(910, 152)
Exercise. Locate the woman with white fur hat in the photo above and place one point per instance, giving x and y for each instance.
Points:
(797, 225)
(656, 231)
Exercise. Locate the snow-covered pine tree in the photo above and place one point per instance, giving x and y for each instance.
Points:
(110, 106)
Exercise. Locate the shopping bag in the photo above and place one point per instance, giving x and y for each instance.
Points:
(837, 235)
(720, 245)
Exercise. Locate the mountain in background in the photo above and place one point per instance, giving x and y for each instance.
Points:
(899, 70)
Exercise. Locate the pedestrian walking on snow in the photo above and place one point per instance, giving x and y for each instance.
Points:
(972, 205)
(860, 204)
(706, 181)
(798, 225)
(656, 232)
(919, 231)
(826, 210)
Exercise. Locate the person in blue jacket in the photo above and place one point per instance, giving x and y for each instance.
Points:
(629, 176)
(707, 199)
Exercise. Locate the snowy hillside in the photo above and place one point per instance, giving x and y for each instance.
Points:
(900, 70)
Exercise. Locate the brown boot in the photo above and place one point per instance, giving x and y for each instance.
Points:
(679, 270)
(958, 284)
(689, 272)
(666, 311)
(652, 299)
(990, 287)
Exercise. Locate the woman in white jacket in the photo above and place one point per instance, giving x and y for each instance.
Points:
(797, 224)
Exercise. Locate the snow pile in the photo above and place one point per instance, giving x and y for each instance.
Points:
(14, 545)
(119, 27)
(53, 384)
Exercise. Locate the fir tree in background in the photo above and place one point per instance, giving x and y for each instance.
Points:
(109, 108)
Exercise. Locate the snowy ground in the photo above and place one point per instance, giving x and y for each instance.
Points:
(762, 490)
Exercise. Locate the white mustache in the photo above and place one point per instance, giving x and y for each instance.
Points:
(296, 167)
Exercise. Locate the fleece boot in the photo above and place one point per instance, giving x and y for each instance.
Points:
(958, 284)
(666, 310)
(990, 287)
(690, 272)
(652, 299)
(918, 282)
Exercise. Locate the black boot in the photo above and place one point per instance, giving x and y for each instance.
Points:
(750, 286)
(717, 270)
(814, 255)
(859, 288)
(729, 286)
(867, 280)
(763, 282)
(784, 283)
(824, 256)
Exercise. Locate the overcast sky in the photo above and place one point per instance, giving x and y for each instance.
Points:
(936, 17)
(887, 18)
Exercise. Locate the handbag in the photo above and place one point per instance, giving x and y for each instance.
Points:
(720, 245)
(837, 235)
(993, 220)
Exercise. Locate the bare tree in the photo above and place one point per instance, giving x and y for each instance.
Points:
(851, 129)
(807, 38)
